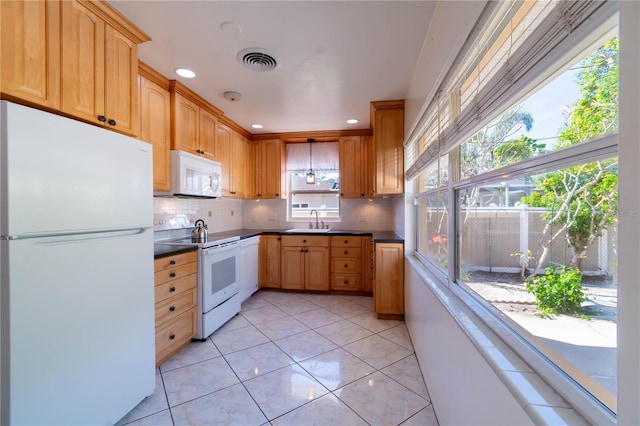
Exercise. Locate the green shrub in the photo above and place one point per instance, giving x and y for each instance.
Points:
(558, 291)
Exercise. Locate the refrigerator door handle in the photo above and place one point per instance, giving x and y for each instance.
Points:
(100, 233)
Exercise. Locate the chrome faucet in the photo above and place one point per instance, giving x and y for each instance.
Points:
(317, 224)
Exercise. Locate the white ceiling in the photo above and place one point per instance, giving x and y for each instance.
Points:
(335, 56)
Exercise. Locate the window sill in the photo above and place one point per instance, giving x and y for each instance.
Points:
(554, 399)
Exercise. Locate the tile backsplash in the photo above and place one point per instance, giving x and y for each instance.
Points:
(224, 214)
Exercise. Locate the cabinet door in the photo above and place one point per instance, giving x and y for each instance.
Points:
(389, 280)
(368, 264)
(30, 49)
(316, 268)
(269, 261)
(251, 169)
(185, 129)
(207, 140)
(388, 134)
(367, 170)
(121, 68)
(292, 269)
(350, 167)
(224, 154)
(270, 162)
(155, 128)
(82, 63)
(238, 166)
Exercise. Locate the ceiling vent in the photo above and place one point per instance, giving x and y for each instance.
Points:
(258, 59)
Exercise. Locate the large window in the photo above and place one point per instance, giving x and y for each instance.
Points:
(522, 214)
(319, 194)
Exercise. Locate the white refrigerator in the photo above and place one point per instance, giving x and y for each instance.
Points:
(76, 297)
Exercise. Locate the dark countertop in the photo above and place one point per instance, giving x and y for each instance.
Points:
(161, 250)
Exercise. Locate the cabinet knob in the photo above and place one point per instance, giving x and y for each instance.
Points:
(306, 251)
(111, 122)
(304, 241)
(346, 282)
(346, 241)
(259, 195)
(346, 252)
(301, 250)
(172, 289)
(172, 262)
(172, 337)
(346, 266)
(172, 275)
(362, 195)
(277, 195)
(172, 308)
(341, 194)
(102, 118)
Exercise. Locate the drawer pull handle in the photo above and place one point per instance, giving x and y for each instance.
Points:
(346, 282)
(304, 241)
(346, 241)
(172, 308)
(172, 337)
(173, 262)
(172, 289)
(346, 252)
(172, 275)
(346, 266)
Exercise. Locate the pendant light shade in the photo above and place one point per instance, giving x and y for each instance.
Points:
(311, 176)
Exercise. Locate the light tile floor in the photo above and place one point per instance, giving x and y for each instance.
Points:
(293, 359)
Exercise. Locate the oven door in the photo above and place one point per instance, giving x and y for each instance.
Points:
(219, 274)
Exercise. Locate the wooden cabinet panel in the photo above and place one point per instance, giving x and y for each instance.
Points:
(346, 265)
(293, 267)
(316, 268)
(173, 335)
(121, 69)
(356, 180)
(171, 288)
(185, 131)
(269, 261)
(368, 257)
(169, 309)
(207, 136)
(389, 280)
(155, 128)
(175, 260)
(345, 251)
(83, 62)
(270, 163)
(30, 49)
(388, 156)
(305, 241)
(224, 140)
(346, 241)
(238, 165)
(348, 282)
(173, 273)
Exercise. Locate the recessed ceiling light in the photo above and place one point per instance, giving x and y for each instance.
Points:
(183, 72)
(257, 126)
(352, 121)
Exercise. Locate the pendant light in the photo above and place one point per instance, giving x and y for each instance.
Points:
(311, 176)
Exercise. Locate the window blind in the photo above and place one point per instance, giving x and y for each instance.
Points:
(517, 49)
(325, 156)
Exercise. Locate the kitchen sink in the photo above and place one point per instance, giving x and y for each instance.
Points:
(307, 231)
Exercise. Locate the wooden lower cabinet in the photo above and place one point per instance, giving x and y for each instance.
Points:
(305, 262)
(389, 280)
(269, 261)
(175, 302)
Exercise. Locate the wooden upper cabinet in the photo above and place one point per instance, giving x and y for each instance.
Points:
(207, 138)
(100, 65)
(185, 129)
(269, 163)
(239, 165)
(356, 180)
(224, 139)
(387, 118)
(155, 125)
(30, 51)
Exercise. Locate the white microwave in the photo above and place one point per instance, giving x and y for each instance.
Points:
(195, 176)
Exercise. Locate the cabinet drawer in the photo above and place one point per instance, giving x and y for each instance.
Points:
(304, 241)
(171, 274)
(177, 286)
(170, 308)
(345, 252)
(346, 265)
(345, 282)
(346, 241)
(176, 260)
(175, 333)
